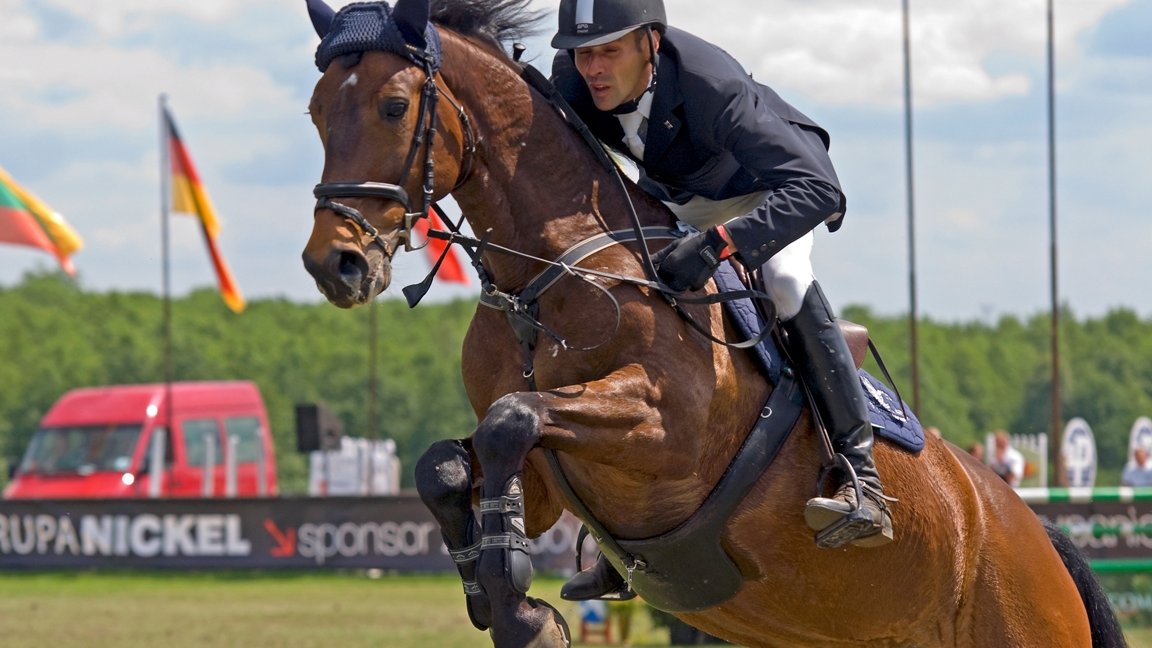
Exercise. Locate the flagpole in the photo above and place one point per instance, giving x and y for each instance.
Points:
(913, 306)
(1057, 426)
(165, 192)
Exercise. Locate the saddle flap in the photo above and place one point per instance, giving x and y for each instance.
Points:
(857, 337)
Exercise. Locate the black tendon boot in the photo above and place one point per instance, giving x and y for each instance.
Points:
(600, 581)
(817, 346)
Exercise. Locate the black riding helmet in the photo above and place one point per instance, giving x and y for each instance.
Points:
(587, 23)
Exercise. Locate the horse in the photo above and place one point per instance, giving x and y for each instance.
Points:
(600, 394)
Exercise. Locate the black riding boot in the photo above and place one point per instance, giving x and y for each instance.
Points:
(600, 581)
(816, 344)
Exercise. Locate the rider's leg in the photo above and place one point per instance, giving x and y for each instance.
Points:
(600, 581)
(815, 343)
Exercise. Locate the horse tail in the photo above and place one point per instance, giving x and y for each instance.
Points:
(1106, 631)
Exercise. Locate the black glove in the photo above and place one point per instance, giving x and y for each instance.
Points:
(689, 262)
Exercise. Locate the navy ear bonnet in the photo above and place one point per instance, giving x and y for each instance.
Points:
(370, 26)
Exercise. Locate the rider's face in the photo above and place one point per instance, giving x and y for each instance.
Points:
(616, 72)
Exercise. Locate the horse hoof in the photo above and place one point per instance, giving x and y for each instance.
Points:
(552, 635)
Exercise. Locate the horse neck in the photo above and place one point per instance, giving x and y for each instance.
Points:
(536, 184)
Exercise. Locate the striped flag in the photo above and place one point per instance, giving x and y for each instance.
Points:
(189, 197)
(25, 220)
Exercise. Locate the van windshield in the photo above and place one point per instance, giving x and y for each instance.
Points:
(81, 450)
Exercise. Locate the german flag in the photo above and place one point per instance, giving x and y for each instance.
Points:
(188, 197)
(25, 220)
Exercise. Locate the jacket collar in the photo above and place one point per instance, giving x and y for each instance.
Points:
(663, 124)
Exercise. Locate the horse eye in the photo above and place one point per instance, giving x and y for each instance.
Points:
(393, 108)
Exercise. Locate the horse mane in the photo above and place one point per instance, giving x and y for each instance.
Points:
(495, 23)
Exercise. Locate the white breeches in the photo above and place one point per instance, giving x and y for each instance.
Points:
(788, 275)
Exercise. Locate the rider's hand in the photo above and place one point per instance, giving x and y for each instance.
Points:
(689, 262)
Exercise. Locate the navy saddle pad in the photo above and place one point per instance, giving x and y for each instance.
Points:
(890, 419)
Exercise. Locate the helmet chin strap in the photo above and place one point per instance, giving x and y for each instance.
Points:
(631, 106)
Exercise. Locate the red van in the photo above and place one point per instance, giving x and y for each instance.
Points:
(103, 442)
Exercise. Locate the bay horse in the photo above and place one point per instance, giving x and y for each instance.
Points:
(594, 388)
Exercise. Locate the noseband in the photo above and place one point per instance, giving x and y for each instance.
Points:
(425, 134)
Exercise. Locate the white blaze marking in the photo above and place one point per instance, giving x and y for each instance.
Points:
(350, 82)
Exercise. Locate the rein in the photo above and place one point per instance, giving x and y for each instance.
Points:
(521, 308)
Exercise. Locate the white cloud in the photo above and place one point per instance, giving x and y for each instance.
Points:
(85, 109)
(123, 17)
(840, 52)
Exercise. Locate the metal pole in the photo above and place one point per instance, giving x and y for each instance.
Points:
(156, 463)
(913, 308)
(261, 468)
(1052, 270)
(209, 484)
(231, 443)
(373, 396)
(165, 193)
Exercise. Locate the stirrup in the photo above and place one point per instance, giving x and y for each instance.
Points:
(856, 526)
(621, 592)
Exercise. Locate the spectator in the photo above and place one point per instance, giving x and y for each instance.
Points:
(1138, 472)
(1006, 460)
(977, 450)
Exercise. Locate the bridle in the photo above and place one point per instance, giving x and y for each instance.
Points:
(520, 307)
(425, 134)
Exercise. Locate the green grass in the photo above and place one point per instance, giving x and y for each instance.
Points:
(177, 609)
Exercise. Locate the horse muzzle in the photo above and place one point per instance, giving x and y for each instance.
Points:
(348, 276)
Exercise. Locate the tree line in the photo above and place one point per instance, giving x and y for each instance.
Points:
(975, 377)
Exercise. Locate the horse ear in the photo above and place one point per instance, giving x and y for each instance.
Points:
(411, 17)
(321, 15)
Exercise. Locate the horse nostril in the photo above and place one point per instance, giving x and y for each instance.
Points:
(351, 266)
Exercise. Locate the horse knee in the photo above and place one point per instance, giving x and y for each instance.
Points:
(444, 474)
(509, 430)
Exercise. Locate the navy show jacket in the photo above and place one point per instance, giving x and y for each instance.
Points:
(715, 132)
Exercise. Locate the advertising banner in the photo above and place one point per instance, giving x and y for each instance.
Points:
(1078, 450)
(388, 533)
(1105, 523)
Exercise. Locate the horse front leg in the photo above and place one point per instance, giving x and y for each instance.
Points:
(613, 423)
(512, 427)
(444, 481)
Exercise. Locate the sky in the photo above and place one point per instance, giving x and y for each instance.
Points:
(79, 127)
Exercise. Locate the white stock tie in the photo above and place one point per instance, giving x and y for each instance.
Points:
(635, 131)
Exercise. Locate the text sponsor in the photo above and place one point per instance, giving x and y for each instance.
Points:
(325, 542)
(143, 535)
(321, 542)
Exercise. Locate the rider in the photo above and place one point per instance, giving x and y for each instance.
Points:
(730, 157)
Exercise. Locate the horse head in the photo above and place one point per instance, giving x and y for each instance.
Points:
(388, 152)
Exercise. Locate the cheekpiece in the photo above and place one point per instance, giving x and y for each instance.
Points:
(369, 26)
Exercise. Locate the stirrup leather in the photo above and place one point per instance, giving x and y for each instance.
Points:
(622, 592)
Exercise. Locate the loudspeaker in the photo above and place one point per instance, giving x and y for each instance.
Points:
(317, 428)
